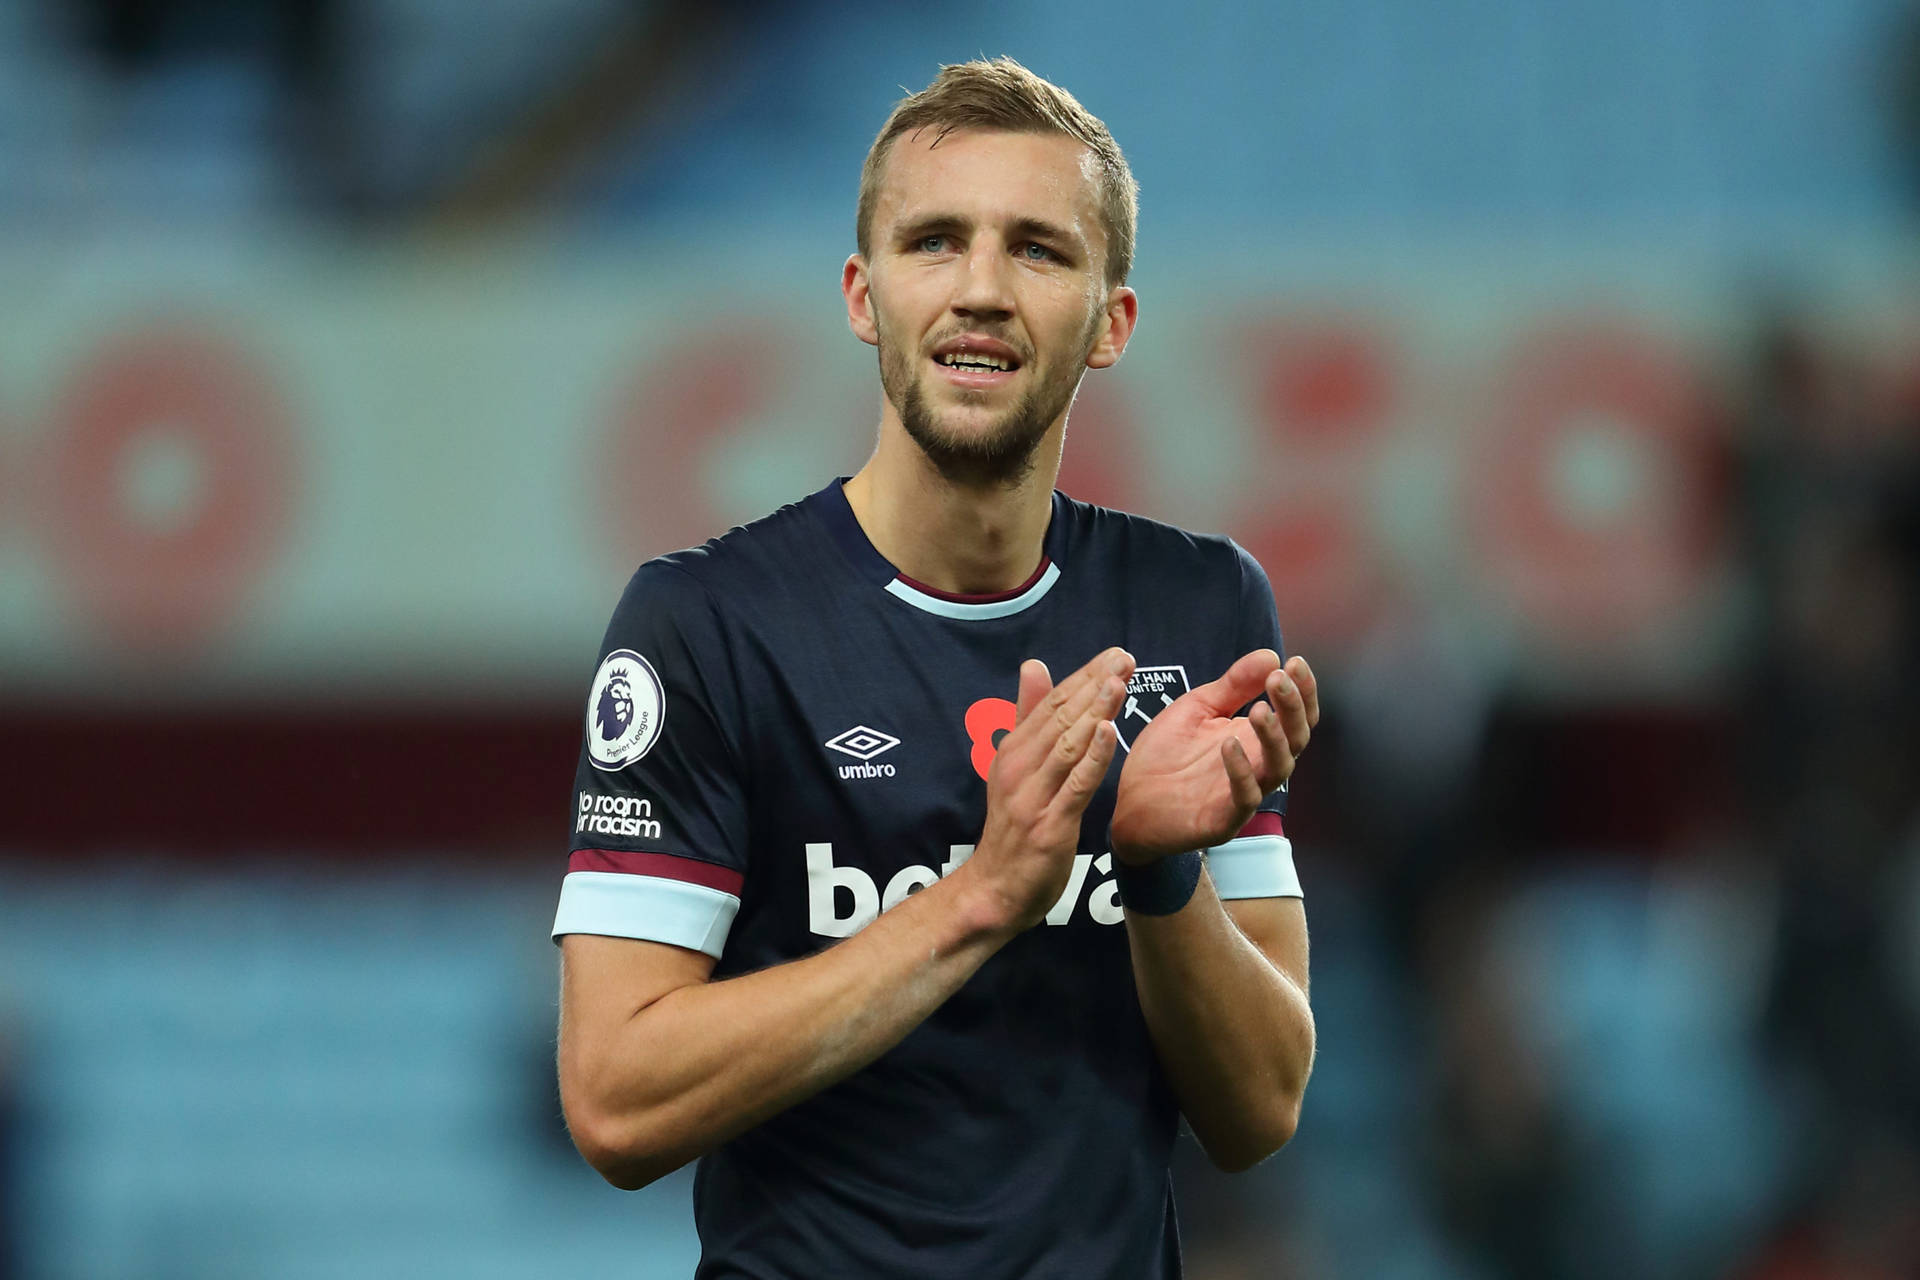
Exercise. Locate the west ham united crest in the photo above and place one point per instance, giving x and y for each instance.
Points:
(1149, 691)
(624, 710)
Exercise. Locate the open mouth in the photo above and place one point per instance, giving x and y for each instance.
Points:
(971, 367)
(977, 361)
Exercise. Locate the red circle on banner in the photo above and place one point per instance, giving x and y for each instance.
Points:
(171, 480)
(1598, 507)
(1323, 383)
(666, 420)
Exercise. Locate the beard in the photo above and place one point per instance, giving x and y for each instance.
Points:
(1002, 453)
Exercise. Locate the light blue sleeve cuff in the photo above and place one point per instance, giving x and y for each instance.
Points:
(1254, 867)
(649, 908)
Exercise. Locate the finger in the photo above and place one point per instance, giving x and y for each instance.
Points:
(1068, 698)
(1309, 688)
(1241, 782)
(1286, 699)
(1085, 777)
(1027, 750)
(1095, 696)
(1266, 749)
(1276, 755)
(1076, 739)
(1036, 682)
(1111, 661)
(1240, 685)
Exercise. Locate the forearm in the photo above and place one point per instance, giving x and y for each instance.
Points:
(708, 1060)
(1233, 1031)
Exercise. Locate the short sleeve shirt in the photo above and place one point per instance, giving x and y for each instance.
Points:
(785, 737)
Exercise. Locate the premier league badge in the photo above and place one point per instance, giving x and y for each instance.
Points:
(624, 711)
(1150, 690)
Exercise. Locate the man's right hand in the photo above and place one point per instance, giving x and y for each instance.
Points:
(1046, 770)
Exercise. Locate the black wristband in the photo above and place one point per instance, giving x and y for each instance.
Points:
(1161, 887)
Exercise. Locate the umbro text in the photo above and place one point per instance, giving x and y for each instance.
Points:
(866, 771)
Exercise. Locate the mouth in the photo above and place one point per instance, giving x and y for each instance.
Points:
(975, 364)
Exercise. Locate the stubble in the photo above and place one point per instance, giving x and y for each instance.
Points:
(1003, 453)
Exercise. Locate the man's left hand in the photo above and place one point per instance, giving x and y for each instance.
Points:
(1197, 771)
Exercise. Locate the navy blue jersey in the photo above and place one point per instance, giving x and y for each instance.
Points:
(785, 736)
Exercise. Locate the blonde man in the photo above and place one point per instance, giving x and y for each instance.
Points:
(923, 973)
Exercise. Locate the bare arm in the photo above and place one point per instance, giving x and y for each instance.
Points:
(1223, 988)
(658, 1065)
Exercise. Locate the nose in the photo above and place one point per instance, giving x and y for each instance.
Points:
(984, 286)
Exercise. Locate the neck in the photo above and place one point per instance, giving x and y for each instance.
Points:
(964, 538)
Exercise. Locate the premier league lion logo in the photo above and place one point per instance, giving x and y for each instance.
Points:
(615, 712)
(624, 710)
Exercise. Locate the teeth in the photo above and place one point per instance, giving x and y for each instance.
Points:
(975, 360)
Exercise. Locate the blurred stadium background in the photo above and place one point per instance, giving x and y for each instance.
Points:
(1561, 362)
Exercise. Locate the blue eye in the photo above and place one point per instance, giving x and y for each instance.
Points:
(932, 244)
(1036, 252)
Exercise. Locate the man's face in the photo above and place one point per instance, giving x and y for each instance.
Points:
(985, 293)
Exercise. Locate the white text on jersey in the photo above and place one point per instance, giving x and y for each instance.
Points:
(868, 900)
(617, 816)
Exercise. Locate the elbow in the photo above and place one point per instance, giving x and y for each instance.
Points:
(621, 1169)
(609, 1154)
(619, 1149)
(1256, 1139)
(629, 1176)
(1269, 1117)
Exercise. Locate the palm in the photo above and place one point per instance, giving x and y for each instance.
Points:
(1175, 794)
(1197, 772)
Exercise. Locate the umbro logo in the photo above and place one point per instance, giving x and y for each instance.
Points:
(863, 743)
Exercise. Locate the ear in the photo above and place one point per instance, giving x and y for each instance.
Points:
(857, 289)
(1116, 326)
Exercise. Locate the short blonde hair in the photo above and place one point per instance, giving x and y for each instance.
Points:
(1002, 94)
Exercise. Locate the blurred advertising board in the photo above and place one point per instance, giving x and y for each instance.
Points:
(267, 471)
